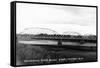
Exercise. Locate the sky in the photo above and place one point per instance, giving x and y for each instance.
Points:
(58, 18)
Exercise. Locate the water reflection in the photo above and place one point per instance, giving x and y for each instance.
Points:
(50, 42)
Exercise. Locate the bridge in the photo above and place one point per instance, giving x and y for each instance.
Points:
(48, 34)
(69, 38)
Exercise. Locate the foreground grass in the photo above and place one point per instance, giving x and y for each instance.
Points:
(36, 52)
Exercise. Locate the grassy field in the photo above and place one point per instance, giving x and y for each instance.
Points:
(56, 54)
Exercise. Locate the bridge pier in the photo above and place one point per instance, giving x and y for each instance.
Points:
(59, 42)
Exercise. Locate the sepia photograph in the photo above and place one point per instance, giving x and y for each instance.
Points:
(55, 34)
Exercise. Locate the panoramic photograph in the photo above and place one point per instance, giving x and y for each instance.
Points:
(55, 34)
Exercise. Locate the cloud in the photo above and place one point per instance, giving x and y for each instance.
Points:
(67, 17)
